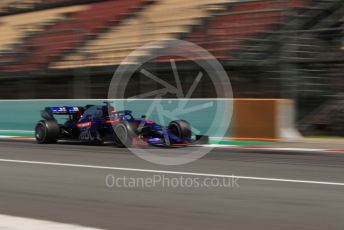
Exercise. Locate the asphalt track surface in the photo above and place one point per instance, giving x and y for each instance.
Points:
(75, 191)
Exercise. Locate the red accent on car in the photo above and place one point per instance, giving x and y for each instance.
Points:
(83, 125)
(149, 122)
(111, 122)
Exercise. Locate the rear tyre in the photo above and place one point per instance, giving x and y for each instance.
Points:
(180, 128)
(47, 132)
(123, 135)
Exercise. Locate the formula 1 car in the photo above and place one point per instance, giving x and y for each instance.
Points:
(101, 123)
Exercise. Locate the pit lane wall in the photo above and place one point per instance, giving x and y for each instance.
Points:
(253, 119)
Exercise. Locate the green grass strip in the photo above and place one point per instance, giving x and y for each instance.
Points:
(17, 134)
(240, 143)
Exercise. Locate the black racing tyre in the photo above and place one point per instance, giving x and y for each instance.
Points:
(123, 135)
(47, 132)
(180, 128)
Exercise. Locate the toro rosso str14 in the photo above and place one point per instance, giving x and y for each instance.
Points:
(98, 124)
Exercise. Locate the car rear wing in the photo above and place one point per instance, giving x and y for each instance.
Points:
(49, 112)
(65, 110)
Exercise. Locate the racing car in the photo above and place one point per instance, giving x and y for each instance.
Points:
(101, 123)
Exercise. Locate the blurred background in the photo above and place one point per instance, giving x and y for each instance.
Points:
(271, 49)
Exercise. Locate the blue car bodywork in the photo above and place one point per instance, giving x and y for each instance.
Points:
(98, 124)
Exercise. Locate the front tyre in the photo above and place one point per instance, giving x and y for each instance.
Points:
(123, 135)
(47, 132)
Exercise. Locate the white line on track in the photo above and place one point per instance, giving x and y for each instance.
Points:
(267, 148)
(17, 138)
(7, 137)
(173, 172)
(20, 223)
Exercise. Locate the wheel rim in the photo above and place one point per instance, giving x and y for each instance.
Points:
(121, 134)
(40, 132)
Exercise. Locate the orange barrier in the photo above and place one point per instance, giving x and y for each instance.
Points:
(264, 120)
